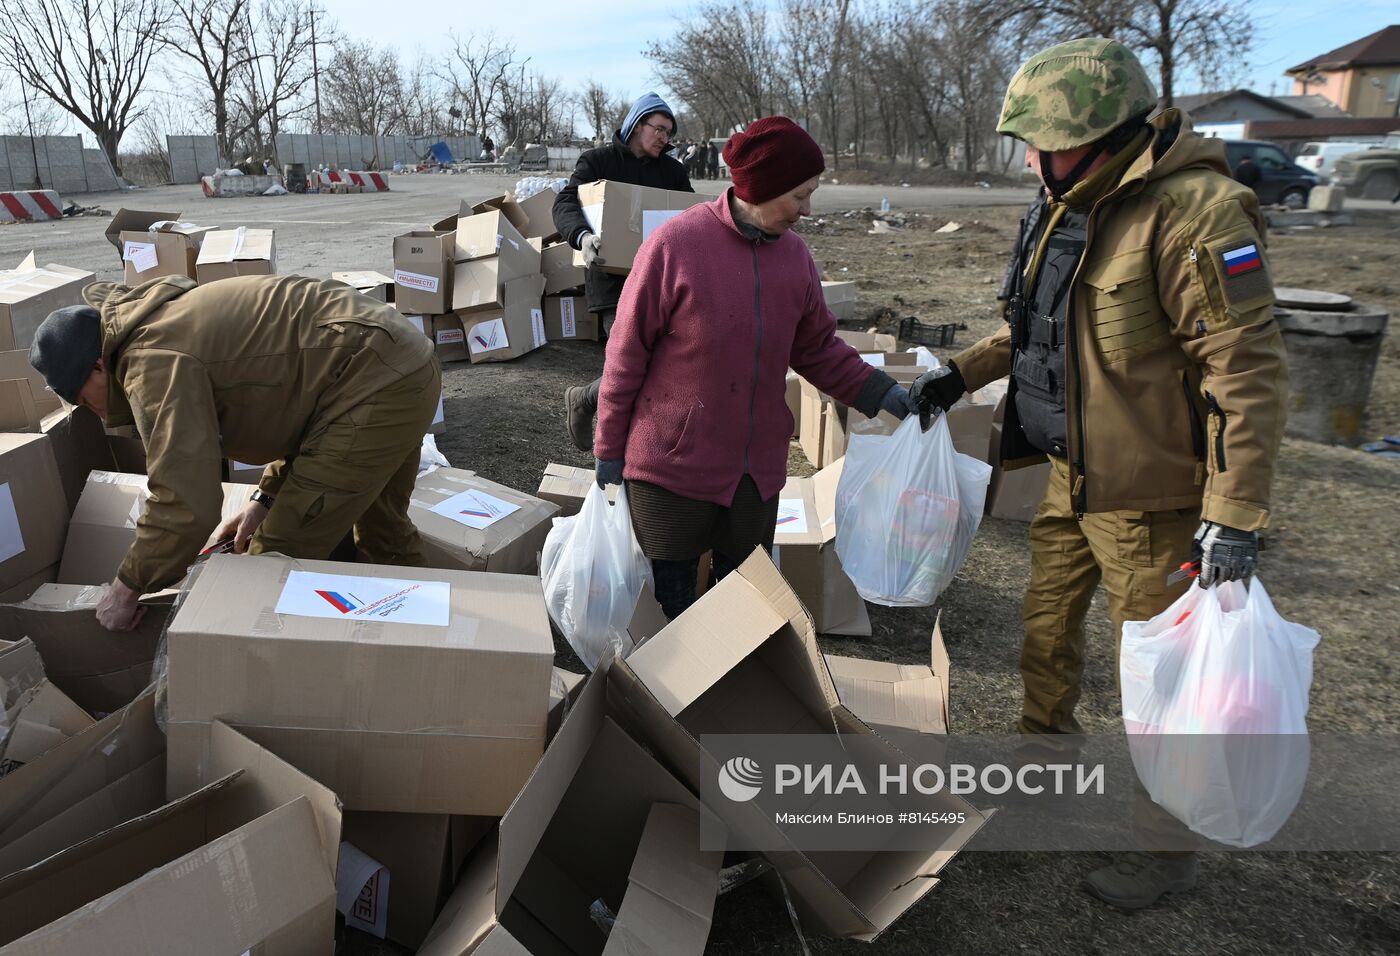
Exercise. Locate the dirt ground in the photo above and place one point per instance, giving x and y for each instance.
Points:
(1331, 563)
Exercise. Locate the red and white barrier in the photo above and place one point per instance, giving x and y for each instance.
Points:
(369, 182)
(30, 205)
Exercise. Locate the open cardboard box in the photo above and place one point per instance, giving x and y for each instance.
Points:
(502, 333)
(624, 215)
(226, 253)
(29, 293)
(423, 272)
(43, 719)
(744, 660)
(561, 272)
(896, 698)
(154, 244)
(599, 819)
(367, 282)
(246, 863)
(826, 425)
(804, 549)
(346, 673)
(538, 211)
(479, 525)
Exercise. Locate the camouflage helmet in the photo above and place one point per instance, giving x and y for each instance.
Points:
(1074, 93)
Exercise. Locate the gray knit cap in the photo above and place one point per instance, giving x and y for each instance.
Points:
(66, 346)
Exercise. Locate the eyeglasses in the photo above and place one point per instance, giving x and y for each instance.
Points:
(661, 131)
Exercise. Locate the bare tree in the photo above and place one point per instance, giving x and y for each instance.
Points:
(91, 57)
(596, 103)
(477, 71)
(214, 35)
(361, 90)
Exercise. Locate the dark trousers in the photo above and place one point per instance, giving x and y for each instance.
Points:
(590, 393)
(676, 581)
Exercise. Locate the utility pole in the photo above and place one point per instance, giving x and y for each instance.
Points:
(33, 150)
(315, 70)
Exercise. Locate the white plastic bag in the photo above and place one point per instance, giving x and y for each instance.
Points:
(907, 508)
(593, 571)
(1215, 701)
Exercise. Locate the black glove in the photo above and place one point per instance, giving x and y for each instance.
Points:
(897, 402)
(936, 391)
(1227, 554)
(608, 472)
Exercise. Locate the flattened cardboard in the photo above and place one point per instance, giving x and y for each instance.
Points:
(567, 485)
(33, 511)
(561, 273)
(840, 299)
(226, 253)
(809, 561)
(241, 865)
(510, 545)
(103, 527)
(566, 318)
(423, 272)
(744, 659)
(671, 889)
(392, 716)
(622, 215)
(373, 284)
(896, 698)
(102, 671)
(499, 335)
(29, 294)
(44, 718)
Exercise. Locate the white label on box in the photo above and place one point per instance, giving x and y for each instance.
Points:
(11, 538)
(438, 415)
(475, 509)
(417, 321)
(416, 280)
(141, 255)
(593, 213)
(566, 318)
(343, 597)
(537, 327)
(362, 891)
(792, 516)
(651, 218)
(451, 337)
(488, 336)
(876, 359)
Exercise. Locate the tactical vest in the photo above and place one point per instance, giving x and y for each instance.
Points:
(1038, 363)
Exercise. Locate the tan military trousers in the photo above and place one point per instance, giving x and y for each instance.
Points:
(1131, 553)
(357, 472)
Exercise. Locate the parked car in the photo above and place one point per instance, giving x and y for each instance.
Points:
(1281, 180)
(1320, 157)
(1371, 173)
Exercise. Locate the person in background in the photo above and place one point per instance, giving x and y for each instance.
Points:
(1146, 364)
(333, 388)
(693, 414)
(712, 161)
(637, 155)
(1247, 173)
(488, 148)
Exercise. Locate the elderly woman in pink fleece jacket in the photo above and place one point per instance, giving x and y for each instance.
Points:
(693, 413)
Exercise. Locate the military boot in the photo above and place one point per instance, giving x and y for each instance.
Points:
(579, 413)
(1137, 880)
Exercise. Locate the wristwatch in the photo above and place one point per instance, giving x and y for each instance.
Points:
(262, 498)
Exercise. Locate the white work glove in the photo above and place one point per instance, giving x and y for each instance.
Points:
(591, 245)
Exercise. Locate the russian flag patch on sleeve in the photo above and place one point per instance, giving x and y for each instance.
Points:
(1242, 259)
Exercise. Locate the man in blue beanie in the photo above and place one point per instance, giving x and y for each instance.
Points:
(637, 155)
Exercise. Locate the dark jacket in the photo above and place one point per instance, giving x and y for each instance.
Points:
(615, 162)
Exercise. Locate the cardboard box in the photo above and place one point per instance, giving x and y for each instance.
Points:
(486, 233)
(840, 299)
(561, 272)
(29, 585)
(473, 524)
(154, 244)
(869, 341)
(804, 549)
(1014, 494)
(504, 204)
(373, 284)
(128, 450)
(423, 853)
(43, 718)
(226, 253)
(896, 698)
(100, 670)
(29, 293)
(80, 447)
(566, 317)
(33, 511)
(624, 216)
(744, 660)
(574, 835)
(244, 864)
(490, 254)
(103, 527)
(389, 713)
(510, 332)
(423, 272)
(564, 688)
(826, 426)
(449, 337)
(25, 398)
(134, 220)
(539, 215)
(566, 486)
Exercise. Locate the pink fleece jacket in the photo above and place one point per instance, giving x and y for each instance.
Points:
(694, 390)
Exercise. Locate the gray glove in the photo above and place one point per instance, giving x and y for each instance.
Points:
(609, 472)
(936, 390)
(897, 402)
(1227, 554)
(590, 245)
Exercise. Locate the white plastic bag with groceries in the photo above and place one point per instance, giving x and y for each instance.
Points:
(907, 508)
(593, 571)
(1215, 701)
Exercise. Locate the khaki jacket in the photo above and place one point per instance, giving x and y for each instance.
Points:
(246, 368)
(1175, 380)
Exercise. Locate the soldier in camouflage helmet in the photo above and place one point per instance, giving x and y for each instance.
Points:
(1145, 366)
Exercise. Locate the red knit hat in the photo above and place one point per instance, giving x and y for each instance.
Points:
(769, 158)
